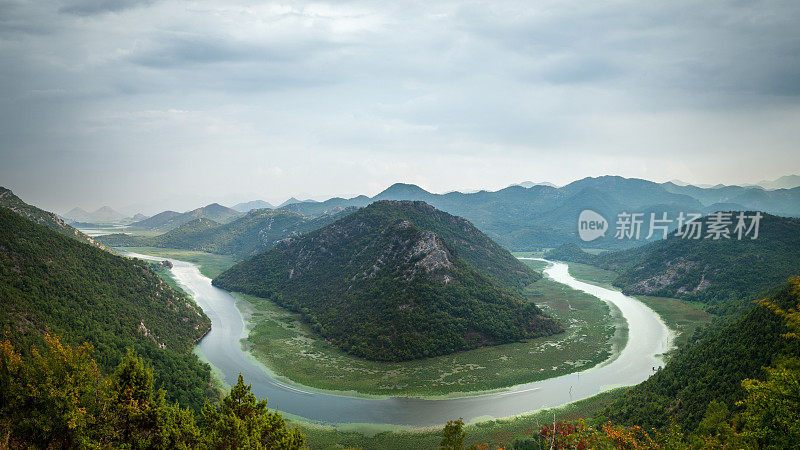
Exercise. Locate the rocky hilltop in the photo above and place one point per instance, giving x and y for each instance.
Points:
(398, 280)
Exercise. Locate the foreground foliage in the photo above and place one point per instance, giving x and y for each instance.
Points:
(713, 367)
(59, 399)
(51, 283)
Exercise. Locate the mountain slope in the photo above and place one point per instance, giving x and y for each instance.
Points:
(45, 218)
(397, 281)
(723, 273)
(711, 368)
(157, 221)
(50, 283)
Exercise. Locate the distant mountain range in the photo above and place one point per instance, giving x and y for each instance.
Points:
(169, 220)
(397, 281)
(104, 214)
(784, 182)
(255, 232)
(521, 218)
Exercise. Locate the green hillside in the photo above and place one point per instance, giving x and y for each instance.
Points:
(398, 281)
(724, 273)
(169, 220)
(51, 283)
(246, 236)
(46, 218)
(711, 368)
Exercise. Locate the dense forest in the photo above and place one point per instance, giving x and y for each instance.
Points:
(723, 274)
(397, 281)
(57, 398)
(257, 231)
(51, 283)
(738, 389)
(711, 367)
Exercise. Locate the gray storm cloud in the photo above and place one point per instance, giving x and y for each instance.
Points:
(116, 102)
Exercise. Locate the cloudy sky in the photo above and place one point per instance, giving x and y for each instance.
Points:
(151, 104)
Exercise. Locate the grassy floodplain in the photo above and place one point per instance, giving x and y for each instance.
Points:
(280, 340)
(682, 316)
(296, 355)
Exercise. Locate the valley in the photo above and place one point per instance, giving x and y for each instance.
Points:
(222, 349)
(371, 325)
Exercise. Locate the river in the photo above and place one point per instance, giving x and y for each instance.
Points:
(648, 339)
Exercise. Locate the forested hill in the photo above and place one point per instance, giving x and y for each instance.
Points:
(712, 368)
(246, 236)
(168, 220)
(51, 283)
(723, 273)
(397, 281)
(42, 217)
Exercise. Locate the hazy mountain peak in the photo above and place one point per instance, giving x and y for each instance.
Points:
(403, 191)
(293, 200)
(784, 182)
(251, 205)
(530, 184)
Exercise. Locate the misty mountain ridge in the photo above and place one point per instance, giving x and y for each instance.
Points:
(168, 220)
(541, 216)
(104, 214)
(251, 205)
(255, 232)
(530, 184)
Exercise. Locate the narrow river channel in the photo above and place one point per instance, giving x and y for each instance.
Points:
(648, 339)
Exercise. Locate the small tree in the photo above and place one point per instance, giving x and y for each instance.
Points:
(453, 435)
(243, 421)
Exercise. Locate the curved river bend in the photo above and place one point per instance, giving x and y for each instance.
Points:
(648, 339)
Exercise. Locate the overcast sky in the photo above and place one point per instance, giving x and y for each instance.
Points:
(152, 104)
